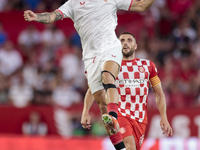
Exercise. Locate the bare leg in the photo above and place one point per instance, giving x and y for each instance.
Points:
(112, 97)
(129, 142)
(107, 78)
(101, 101)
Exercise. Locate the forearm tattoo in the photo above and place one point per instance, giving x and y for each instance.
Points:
(58, 16)
(49, 17)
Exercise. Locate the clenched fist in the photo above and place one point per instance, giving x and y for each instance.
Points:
(30, 16)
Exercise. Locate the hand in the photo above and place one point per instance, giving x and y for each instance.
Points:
(85, 121)
(165, 126)
(30, 16)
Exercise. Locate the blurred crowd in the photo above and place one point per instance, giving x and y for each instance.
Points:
(45, 67)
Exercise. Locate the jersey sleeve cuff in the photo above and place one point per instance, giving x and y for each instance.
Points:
(61, 13)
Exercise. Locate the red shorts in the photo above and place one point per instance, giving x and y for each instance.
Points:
(130, 127)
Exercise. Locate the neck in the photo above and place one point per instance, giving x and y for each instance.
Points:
(130, 57)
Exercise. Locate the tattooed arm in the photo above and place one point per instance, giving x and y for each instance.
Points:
(141, 5)
(42, 17)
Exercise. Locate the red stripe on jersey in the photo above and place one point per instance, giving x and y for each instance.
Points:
(137, 107)
(125, 75)
(132, 113)
(141, 99)
(123, 111)
(140, 114)
(146, 75)
(144, 62)
(141, 85)
(128, 106)
(136, 75)
(118, 89)
(133, 99)
(144, 106)
(137, 90)
(123, 98)
(145, 91)
(128, 91)
(121, 85)
(123, 64)
(130, 68)
(119, 103)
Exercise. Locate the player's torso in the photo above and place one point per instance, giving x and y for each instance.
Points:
(133, 78)
(133, 85)
(95, 21)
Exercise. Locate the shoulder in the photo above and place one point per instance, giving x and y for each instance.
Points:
(143, 61)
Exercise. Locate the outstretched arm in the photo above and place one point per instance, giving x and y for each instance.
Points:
(42, 17)
(161, 104)
(88, 101)
(141, 5)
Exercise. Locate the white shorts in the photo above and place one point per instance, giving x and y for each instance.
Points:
(93, 67)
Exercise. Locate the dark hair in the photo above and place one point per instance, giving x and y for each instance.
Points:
(128, 33)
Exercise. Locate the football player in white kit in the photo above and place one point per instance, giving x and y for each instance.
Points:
(95, 22)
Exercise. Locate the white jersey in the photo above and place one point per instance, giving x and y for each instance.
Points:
(95, 21)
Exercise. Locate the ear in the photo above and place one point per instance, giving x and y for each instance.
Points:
(135, 47)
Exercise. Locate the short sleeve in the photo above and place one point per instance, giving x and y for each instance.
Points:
(154, 79)
(153, 70)
(124, 4)
(66, 9)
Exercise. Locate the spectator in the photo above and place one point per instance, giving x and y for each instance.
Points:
(52, 36)
(34, 126)
(20, 93)
(64, 95)
(29, 38)
(69, 63)
(10, 59)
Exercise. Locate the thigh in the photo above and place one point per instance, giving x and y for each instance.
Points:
(93, 74)
(111, 60)
(138, 132)
(129, 142)
(133, 131)
(126, 131)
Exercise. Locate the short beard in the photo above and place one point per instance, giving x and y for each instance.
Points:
(126, 55)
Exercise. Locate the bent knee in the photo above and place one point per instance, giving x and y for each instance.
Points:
(107, 78)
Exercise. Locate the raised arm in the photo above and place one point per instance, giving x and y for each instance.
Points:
(42, 17)
(141, 5)
(161, 104)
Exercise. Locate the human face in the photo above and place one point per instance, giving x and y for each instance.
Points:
(128, 45)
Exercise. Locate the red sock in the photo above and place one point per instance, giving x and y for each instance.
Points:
(113, 109)
(117, 141)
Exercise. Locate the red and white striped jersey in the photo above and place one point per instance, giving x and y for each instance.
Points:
(133, 86)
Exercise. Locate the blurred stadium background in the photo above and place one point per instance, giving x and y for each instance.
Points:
(42, 77)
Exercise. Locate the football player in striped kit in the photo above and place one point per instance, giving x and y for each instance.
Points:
(133, 81)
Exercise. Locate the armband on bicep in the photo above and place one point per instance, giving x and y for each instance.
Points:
(155, 81)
